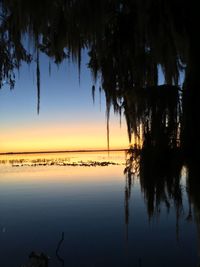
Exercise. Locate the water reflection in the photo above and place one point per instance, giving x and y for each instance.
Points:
(88, 206)
(166, 180)
(58, 248)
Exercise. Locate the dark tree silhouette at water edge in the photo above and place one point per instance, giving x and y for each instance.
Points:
(127, 42)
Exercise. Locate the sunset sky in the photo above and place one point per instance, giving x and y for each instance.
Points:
(68, 118)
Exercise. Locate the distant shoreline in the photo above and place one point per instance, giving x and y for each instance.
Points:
(63, 151)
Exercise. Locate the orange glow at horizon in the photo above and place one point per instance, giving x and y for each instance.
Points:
(62, 137)
(67, 174)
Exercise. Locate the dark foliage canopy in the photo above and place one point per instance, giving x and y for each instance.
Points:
(128, 42)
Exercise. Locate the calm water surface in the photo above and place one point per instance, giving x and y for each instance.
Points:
(89, 205)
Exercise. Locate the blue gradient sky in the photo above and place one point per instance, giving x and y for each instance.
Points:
(68, 118)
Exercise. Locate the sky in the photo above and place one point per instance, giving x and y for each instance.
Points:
(68, 118)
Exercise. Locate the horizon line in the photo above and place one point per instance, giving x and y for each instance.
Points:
(63, 151)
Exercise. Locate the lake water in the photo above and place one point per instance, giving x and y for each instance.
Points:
(87, 215)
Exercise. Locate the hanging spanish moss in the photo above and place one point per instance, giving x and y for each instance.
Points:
(128, 43)
(93, 94)
(38, 82)
(107, 125)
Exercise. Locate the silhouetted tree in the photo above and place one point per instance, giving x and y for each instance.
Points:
(128, 42)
